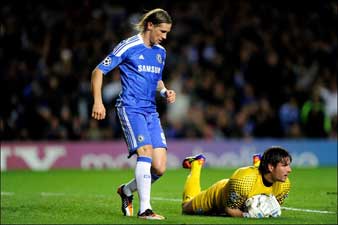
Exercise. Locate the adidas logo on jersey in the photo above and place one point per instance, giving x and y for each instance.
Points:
(141, 57)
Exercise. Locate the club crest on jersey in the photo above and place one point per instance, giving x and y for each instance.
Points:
(107, 61)
(159, 58)
(140, 138)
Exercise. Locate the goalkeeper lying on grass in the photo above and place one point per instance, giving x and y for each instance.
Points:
(254, 192)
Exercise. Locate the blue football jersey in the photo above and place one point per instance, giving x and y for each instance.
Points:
(141, 68)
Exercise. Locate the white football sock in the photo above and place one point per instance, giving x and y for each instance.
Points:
(143, 180)
(130, 187)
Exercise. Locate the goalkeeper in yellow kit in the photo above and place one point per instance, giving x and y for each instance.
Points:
(229, 196)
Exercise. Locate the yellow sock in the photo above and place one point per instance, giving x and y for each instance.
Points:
(192, 184)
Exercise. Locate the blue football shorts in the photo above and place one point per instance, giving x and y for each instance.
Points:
(141, 128)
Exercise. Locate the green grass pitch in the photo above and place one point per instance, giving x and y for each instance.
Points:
(89, 197)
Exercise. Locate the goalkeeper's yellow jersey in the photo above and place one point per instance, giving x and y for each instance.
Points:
(243, 184)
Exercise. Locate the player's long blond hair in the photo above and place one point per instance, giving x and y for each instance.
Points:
(155, 16)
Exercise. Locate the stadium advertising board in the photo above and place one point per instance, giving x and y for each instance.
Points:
(103, 155)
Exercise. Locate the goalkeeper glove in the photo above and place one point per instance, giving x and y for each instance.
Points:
(275, 207)
(260, 206)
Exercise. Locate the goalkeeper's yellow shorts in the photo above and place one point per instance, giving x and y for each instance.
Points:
(210, 200)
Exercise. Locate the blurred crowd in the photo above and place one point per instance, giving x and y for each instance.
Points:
(241, 69)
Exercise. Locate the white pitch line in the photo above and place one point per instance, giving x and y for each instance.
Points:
(55, 194)
(7, 193)
(49, 194)
(308, 210)
(287, 208)
(167, 199)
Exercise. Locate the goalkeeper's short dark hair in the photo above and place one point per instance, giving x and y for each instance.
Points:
(273, 155)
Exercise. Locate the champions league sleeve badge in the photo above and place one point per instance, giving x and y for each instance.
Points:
(107, 61)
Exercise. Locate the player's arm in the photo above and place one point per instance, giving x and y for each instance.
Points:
(98, 111)
(236, 197)
(234, 212)
(170, 95)
(237, 191)
(283, 191)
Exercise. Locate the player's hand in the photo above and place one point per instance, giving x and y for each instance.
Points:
(274, 206)
(170, 96)
(260, 211)
(263, 206)
(98, 111)
(270, 207)
(265, 209)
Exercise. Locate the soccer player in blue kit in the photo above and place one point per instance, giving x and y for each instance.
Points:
(141, 60)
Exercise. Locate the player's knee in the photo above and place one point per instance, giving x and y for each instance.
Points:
(146, 150)
(158, 167)
(158, 171)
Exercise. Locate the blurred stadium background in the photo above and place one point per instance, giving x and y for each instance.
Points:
(244, 71)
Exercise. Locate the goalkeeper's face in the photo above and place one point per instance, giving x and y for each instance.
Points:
(281, 171)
